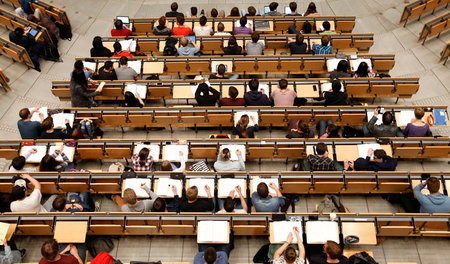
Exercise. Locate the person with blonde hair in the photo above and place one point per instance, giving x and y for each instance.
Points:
(191, 203)
(244, 130)
(417, 128)
(290, 254)
(130, 202)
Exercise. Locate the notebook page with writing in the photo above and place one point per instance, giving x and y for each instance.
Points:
(212, 231)
(172, 152)
(135, 184)
(137, 89)
(34, 157)
(3, 230)
(154, 150)
(89, 65)
(226, 185)
(35, 116)
(319, 232)
(69, 151)
(233, 149)
(201, 183)
(164, 187)
(379, 116)
(363, 148)
(281, 230)
(355, 63)
(257, 181)
(332, 64)
(59, 120)
(135, 65)
(238, 115)
(405, 117)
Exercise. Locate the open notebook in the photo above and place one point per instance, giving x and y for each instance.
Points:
(327, 87)
(237, 117)
(172, 152)
(135, 89)
(3, 230)
(233, 149)
(332, 64)
(257, 181)
(213, 231)
(128, 44)
(34, 157)
(405, 117)
(59, 120)
(69, 151)
(200, 183)
(355, 63)
(35, 116)
(363, 148)
(319, 232)
(164, 187)
(154, 150)
(135, 184)
(281, 230)
(227, 185)
(135, 65)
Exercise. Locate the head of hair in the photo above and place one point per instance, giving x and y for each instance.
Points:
(117, 47)
(307, 28)
(336, 86)
(253, 84)
(283, 83)
(159, 205)
(214, 12)
(290, 254)
(251, 10)
(342, 66)
(19, 31)
(162, 21)
(77, 134)
(325, 40)
(262, 190)
(243, 122)
(299, 38)
(221, 69)
(304, 128)
(228, 204)
(255, 37)
(321, 148)
(194, 10)
(220, 27)
(203, 20)
(180, 19)
(129, 98)
(233, 92)
(433, 184)
(79, 77)
(204, 88)
(326, 26)
(108, 65)
(273, 6)
(47, 123)
(226, 154)
(18, 162)
(232, 41)
(59, 203)
(143, 155)
(311, 9)
(24, 113)
(210, 255)
(192, 193)
(419, 113)
(78, 65)
(184, 42)
(234, 12)
(174, 7)
(166, 166)
(48, 163)
(363, 70)
(387, 118)
(50, 249)
(333, 249)
(243, 21)
(97, 42)
(129, 196)
(123, 60)
(118, 24)
(18, 192)
(332, 131)
(380, 154)
(293, 6)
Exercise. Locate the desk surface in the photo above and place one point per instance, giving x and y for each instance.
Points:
(350, 152)
(365, 231)
(71, 231)
(10, 232)
(350, 252)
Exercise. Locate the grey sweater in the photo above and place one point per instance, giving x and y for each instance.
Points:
(437, 203)
(381, 130)
(221, 165)
(143, 205)
(80, 95)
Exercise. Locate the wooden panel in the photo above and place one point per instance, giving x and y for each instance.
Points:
(90, 153)
(395, 230)
(96, 229)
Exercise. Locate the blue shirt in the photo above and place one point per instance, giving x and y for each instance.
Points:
(25, 4)
(29, 129)
(269, 204)
(319, 49)
(221, 258)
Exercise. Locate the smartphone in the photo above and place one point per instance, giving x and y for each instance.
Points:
(380, 109)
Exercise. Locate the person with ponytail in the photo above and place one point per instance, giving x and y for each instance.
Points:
(142, 161)
(224, 162)
(244, 130)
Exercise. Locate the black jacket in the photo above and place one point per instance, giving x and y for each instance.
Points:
(332, 98)
(103, 52)
(207, 100)
(256, 99)
(27, 42)
(236, 50)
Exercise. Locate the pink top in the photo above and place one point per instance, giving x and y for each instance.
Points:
(283, 97)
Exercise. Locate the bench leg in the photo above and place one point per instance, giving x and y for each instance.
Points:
(396, 101)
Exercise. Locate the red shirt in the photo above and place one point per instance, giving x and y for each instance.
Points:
(123, 53)
(181, 31)
(65, 259)
(124, 32)
(232, 102)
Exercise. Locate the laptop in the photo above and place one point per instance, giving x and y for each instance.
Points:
(33, 32)
(125, 20)
(266, 9)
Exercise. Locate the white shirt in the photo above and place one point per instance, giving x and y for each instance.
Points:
(202, 31)
(238, 211)
(222, 34)
(32, 203)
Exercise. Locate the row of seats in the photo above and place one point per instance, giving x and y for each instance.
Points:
(15, 52)
(345, 42)
(445, 53)
(4, 81)
(419, 8)
(435, 27)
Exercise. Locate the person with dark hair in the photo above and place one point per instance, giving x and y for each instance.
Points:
(194, 11)
(98, 50)
(206, 95)
(161, 29)
(234, 12)
(328, 130)
(51, 255)
(51, 133)
(124, 72)
(435, 202)
(130, 202)
(173, 11)
(214, 13)
(341, 71)
(283, 96)
(29, 129)
(203, 29)
(232, 100)
(211, 256)
(242, 29)
(327, 29)
(323, 48)
(185, 49)
(297, 45)
(244, 130)
(224, 162)
(381, 162)
(18, 163)
(255, 97)
(120, 29)
(290, 254)
(332, 253)
(273, 10)
(73, 202)
(181, 29)
(118, 52)
(306, 28)
(220, 74)
(320, 161)
(21, 37)
(300, 129)
(335, 96)
(263, 202)
(233, 48)
(231, 205)
(255, 47)
(417, 128)
(169, 166)
(106, 72)
(80, 97)
(364, 71)
(160, 205)
(49, 162)
(131, 100)
(221, 30)
(142, 161)
(251, 11)
(190, 202)
(311, 11)
(293, 8)
(22, 202)
(386, 129)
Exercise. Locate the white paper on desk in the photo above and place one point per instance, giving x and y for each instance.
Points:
(135, 65)
(327, 87)
(59, 120)
(89, 65)
(139, 89)
(319, 232)
(172, 152)
(154, 150)
(363, 148)
(164, 187)
(212, 231)
(405, 117)
(69, 151)
(239, 114)
(233, 149)
(281, 230)
(355, 63)
(128, 44)
(332, 64)
(379, 118)
(34, 157)
(35, 116)
(135, 184)
(267, 181)
(225, 186)
(3, 230)
(200, 183)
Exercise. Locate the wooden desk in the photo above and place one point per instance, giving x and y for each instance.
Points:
(350, 152)
(183, 92)
(71, 231)
(308, 90)
(365, 231)
(156, 67)
(10, 231)
(228, 64)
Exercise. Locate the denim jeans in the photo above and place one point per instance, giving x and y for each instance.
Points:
(86, 128)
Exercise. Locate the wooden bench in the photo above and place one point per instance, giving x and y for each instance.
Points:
(4, 81)
(15, 52)
(445, 53)
(420, 7)
(435, 27)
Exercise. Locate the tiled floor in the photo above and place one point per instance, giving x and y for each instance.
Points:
(91, 18)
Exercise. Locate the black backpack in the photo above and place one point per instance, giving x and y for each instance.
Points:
(64, 31)
(169, 49)
(361, 258)
(51, 52)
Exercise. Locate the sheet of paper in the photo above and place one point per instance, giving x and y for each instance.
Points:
(172, 152)
(59, 120)
(319, 232)
(227, 185)
(326, 87)
(128, 44)
(257, 181)
(69, 151)
(164, 187)
(34, 157)
(355, 63)
(281, 230)
(137, 89)
(35, 116)
(405, 117)
(379, 116)
(89, 65)
(233, 149)
(332, 64)
(239, 114)
(363, 148)
(135, 184)
(154, 150)
(200, 183)
(3, 230)
(213, 231)
(135, 65)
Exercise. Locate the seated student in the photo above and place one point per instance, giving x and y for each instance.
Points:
(9, 255)
(381, 162)
(194, 11)
(185, 50)
(168, 166)
(161, 29)
(190, 203)
(50, 255)
(251, 11)
(18, 163)
(364, 71)
(75, 202)
(297, 45)
(48, 23)
(245, 131)
(118, 52)
(80, 97)
(216, 14)
(34, 49)
(300, 129)
(283, 96)
(255, 47)
(78, 65)
(120, 29)
(435, 202)
(255, 97)
(290, 254)
(229, 204)
(320, 161)
(224, 163)
(51, 133)
(327, 29)
(335, 96)
(233, 48)
(22, 202)
(332, 253)
(242, 29)
(130, 100)
(233, 100)
(203, 29)
(98, 50)
(206, 96)
(49, 162)
(173, 11)
(341, 71)
(293, 8)
(417, 128)
(386, 129)
(181, 30)
(263, 202)
(221, 30)
(211, 256)
(234, 12)
(160, 205)
(220, 73)
(328, 130)
(124, 72)
(130, 203)
(87, 128)
(323, 48)
(142, 161)
(311, 11)
(29, 129)
(106, 72)
(273, 10)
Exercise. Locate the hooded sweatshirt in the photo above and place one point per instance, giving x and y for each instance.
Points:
(255, 98)
(433, 203)
(389, 164)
